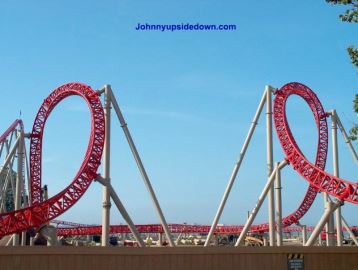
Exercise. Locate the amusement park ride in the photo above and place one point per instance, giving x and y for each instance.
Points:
(25, 211)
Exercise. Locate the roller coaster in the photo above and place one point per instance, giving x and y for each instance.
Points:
(31, 211)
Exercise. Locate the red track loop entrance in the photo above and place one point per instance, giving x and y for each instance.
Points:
(314, 174)
(42, 212)
(280, 118)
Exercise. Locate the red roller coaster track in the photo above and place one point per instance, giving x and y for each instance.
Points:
(154, 228)
(322, 149)
(42, 212)
(157, 228)
(16, 123)
(314, 174)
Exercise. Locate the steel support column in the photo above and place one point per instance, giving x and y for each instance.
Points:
(106, 167)
(259, 203)
(269, 153)
(278, 206)
(142, 169)
(338, 213)
(121, 209)
(346, 138)
(349, 230)
(304, 234)
(19, 178)
(329, 223)
(236, 169)
(330, 208)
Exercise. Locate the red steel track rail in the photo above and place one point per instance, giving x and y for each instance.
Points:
(13, 126)
(174, 228)
(43, 211)
(284, 134)
(157, 228)
(313, 173)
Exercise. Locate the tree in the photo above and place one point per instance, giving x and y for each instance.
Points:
(354, 130)
(350, 16)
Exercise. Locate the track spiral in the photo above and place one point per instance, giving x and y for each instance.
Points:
(313, 173)
(322, 148)
(43, 211)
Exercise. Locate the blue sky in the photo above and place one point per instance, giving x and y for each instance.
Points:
(188, 96)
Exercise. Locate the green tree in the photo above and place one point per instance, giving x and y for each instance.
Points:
(354, 130)
(351, 16)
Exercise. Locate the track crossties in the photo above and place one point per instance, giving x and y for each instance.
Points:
(43, 211)
(313, 173)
